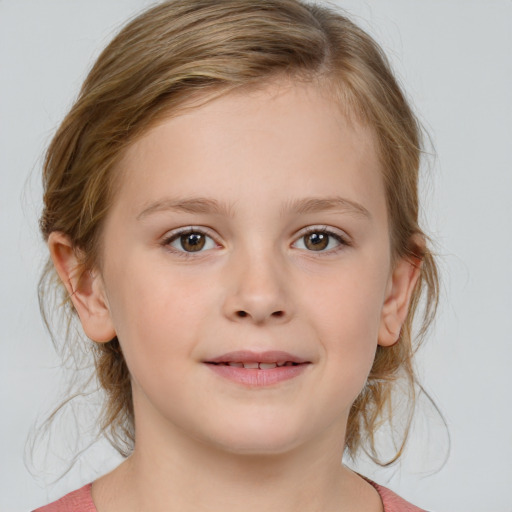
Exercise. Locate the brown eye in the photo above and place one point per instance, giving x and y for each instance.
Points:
(321, 240)
(190, 241)
(316, 241)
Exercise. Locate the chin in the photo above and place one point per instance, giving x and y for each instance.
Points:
(258, 447)
(256, 438)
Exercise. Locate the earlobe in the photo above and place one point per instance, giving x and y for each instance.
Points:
(85, 289)
(398, 297)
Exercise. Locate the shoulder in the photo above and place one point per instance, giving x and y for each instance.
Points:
(76, 501)
(392, 502)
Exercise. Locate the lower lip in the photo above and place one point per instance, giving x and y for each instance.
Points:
(258, 378)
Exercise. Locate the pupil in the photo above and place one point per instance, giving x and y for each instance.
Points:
(192, 242)
(317, 241)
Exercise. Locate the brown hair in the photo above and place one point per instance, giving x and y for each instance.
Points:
(180, 50)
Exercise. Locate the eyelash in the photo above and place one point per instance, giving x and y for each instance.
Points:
(323, 230)
(167, 241)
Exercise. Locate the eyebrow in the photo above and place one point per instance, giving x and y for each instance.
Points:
(187, 205)
(322, 204)
(212, 206)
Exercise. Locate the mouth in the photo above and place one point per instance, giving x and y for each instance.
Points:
(257, 365)
(258, 360)
(258, 369)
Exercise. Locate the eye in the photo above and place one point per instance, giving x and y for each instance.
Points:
(189, 241)
(320, 240)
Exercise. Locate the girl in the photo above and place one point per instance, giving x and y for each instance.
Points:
(231, 207)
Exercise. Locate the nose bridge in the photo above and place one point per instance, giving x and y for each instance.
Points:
(258, 289)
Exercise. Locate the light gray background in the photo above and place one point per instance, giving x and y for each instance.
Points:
(454, 57)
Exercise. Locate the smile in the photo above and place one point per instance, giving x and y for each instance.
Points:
(259, 365)
(258, 369)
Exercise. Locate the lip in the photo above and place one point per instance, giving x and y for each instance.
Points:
(248, 356)
(258, 377)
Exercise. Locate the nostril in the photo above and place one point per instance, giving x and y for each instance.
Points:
(275, 314)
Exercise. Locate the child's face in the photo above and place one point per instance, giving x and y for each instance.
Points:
(286, 248)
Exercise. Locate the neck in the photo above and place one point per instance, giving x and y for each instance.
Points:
(225, 480)
(190, 476)
(171, 470)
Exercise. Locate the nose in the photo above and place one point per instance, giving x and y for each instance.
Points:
(258, 290)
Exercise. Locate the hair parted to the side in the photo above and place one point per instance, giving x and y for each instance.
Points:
(185, 49)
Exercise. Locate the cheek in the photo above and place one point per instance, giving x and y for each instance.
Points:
(347, 319)
(157, 317)
(350, 305)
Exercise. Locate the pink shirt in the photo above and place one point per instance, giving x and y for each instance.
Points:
(81, 501)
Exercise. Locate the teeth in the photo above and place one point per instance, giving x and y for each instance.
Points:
(261, 366)
(250, 365)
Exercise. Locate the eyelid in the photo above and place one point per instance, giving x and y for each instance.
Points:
(324, 228)
(174, 234)
(341, 236)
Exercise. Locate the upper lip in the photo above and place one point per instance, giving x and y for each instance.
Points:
(248, 356)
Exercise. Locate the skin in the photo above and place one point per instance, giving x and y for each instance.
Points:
(204, 442)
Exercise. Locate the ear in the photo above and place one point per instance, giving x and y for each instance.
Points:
(85, 289)
(399, 291)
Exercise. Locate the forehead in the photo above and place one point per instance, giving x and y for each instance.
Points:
(292, 135)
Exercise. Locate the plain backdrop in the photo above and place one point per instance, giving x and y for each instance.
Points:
(455, 59)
